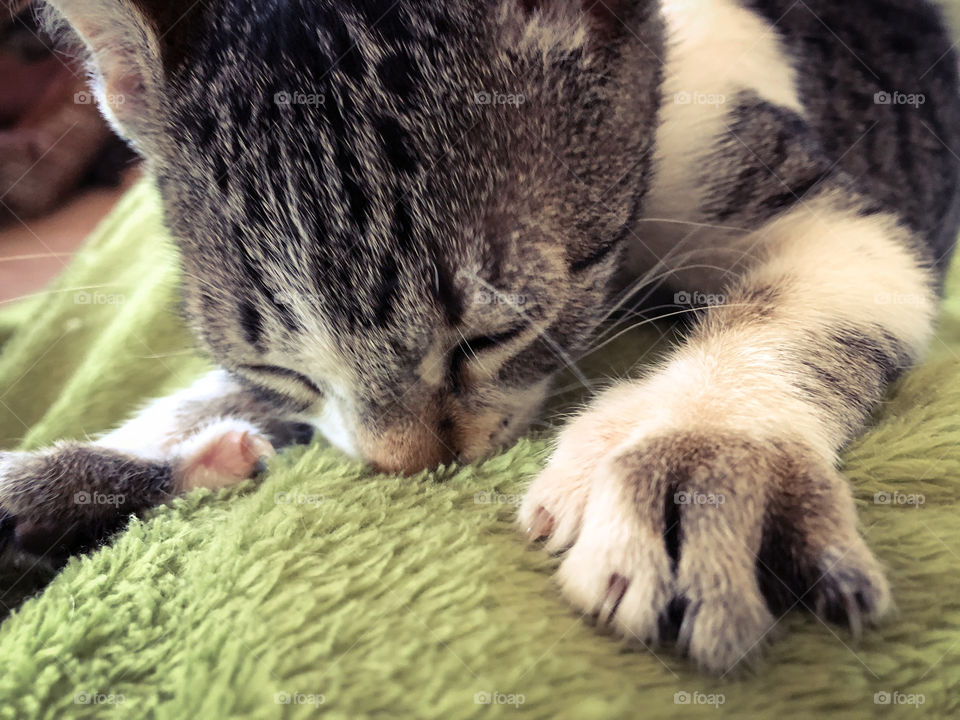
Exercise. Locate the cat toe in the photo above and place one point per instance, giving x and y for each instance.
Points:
(223, 455)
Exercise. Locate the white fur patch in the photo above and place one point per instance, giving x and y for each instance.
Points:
(715, 50)
(332, 424)
(153, 432)
(211, 452)
(832, 268)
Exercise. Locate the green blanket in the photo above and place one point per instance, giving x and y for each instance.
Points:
(327, 589)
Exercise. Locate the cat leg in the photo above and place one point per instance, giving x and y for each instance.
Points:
(698, 503)
(212, 434)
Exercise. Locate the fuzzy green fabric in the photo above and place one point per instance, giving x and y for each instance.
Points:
(327, 589)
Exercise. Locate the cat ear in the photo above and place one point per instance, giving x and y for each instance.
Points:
(128, 43)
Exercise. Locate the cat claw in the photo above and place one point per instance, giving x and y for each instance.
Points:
(541, 526)
(616, 589)
(223, 456)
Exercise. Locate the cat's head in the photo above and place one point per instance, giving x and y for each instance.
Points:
(401, 217)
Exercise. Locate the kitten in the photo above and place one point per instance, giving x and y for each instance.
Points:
(351, 183)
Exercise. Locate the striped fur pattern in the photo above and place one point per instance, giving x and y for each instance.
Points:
(397, 223)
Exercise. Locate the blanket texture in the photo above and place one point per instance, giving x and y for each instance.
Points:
(327, 589)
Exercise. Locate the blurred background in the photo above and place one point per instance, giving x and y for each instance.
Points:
(61, 166)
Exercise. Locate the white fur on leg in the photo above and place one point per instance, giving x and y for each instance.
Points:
(715, 51)
(219, 451)
(160, 426)
(828, 272)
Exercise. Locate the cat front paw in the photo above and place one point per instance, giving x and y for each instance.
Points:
(70, 497)
(702, 539)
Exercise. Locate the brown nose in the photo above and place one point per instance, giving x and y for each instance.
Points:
(409, 448)
(407, 451)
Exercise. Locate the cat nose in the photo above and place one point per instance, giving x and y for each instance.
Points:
(419, 435)
(409, 449)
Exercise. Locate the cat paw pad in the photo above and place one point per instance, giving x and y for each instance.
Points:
(222, 455)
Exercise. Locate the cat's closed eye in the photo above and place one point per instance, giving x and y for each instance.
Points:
(473, 348)
(482, 343)
(276, 377)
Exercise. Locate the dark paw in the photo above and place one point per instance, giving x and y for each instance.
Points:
(71, 498)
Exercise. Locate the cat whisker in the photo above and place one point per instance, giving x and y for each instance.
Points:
(660, 271)
(474, 354)
(651, 276)
(691, 223)
(650, 279)
(648, 321)
(56, 291)
(34, 256)
(161, 356)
